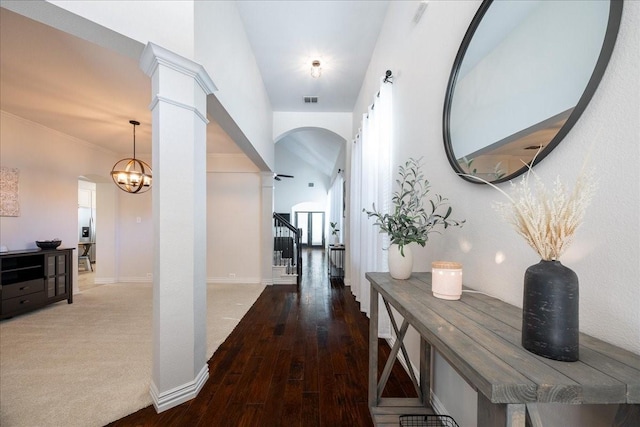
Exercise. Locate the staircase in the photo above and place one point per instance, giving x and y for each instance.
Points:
(287, 258)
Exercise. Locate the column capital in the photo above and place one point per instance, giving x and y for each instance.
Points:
(154, 55)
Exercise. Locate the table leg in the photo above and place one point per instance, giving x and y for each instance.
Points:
(533, 415)
(393, 356)
(496, 414)
(399, 345)
(425, 371)
(516, 414)
(373, 349)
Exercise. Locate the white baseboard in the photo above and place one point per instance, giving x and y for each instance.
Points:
(105, 280)
(135, 279)
(229, 280)
(290, 279)
(174, 397)
(437, 406)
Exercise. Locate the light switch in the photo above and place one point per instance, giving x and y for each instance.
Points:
(138, 219)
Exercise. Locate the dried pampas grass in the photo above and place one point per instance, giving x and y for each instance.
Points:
(547, 218)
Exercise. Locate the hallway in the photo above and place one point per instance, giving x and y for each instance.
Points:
(298, 358)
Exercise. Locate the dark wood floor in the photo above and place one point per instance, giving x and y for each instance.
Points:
(298, 358)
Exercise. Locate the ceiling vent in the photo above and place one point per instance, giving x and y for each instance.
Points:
(310, 99)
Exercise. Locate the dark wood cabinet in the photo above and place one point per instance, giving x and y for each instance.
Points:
(31, 279)
(57, 276)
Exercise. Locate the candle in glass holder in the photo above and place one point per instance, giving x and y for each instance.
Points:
(446, 280)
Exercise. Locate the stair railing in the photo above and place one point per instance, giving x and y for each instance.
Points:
(286, 246)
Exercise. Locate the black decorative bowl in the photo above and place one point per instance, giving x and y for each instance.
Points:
(48, 244)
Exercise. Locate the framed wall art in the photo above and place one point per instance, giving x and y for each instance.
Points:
(9, 201)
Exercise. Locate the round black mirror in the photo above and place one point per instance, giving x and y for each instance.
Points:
(523, 75)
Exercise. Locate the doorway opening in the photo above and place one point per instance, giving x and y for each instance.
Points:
(312, 225)
(86, 249)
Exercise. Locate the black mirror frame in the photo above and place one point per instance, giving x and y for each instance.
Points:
(611, 34)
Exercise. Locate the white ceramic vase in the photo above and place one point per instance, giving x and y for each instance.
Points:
(400, 266)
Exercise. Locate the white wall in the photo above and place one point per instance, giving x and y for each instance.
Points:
(48, 182)
(135, 237)
(107, 230)
(233, 227)
(143, 21)
(606, 250)
(233, 219)
(49, 206)
(222, 47)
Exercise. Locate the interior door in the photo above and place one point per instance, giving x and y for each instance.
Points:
(316, 225)
(302, 222)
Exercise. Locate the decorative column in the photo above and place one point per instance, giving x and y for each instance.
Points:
(266, 226)
(179, 98)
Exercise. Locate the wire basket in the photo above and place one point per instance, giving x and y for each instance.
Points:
(427, 421)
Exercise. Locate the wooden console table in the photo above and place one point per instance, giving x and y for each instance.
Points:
(335, 262)
(479, 336)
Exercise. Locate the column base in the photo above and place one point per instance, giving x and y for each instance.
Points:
(176, 396)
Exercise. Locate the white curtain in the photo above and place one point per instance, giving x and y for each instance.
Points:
(370, 183)
(336, 197)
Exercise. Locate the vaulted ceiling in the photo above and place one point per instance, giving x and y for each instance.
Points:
(89, 92)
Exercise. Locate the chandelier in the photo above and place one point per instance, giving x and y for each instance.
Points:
(132, 175)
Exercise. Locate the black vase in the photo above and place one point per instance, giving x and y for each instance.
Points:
(550, 311)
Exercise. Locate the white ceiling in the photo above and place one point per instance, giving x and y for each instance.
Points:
(287, 35)
(70, 85)
(89, 92)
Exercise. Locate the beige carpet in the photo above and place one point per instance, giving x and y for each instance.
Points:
(89, 363)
